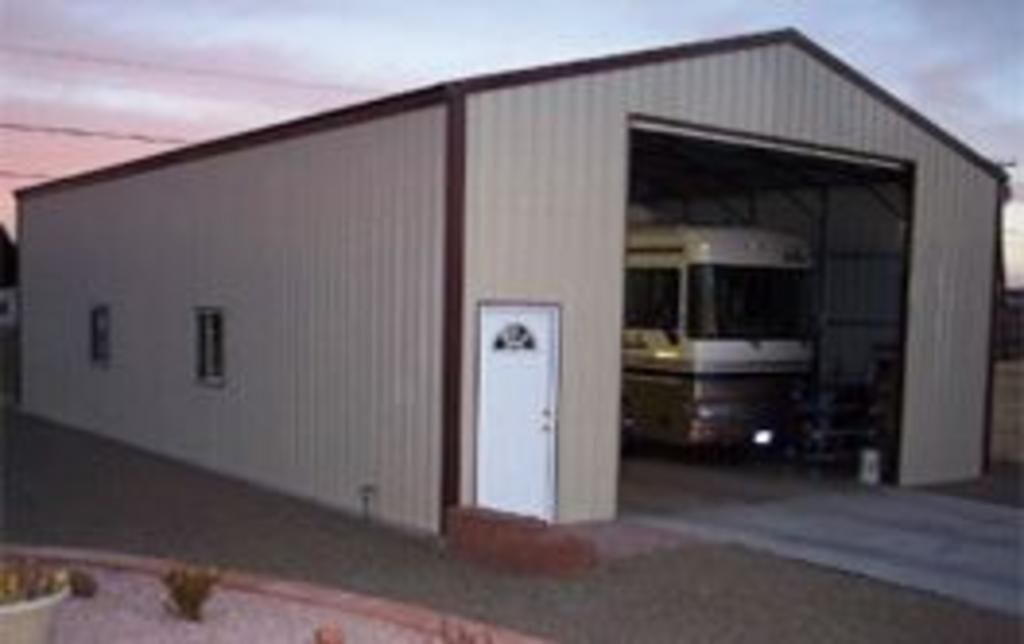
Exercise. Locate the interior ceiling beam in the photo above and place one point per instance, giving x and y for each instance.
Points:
(807, 209)
(767, 159)
(712, 196)
(671, 166)
(729, 184)
(650, 129)
(888, 203)
(871, 185)
(717, 175)
(687, 170)
(672, 184)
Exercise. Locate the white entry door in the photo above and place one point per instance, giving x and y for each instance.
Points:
(517, 377)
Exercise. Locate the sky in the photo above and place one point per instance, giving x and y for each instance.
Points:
(169, 72)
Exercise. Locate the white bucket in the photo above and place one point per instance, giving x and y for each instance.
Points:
(870, 466)
(29, 622)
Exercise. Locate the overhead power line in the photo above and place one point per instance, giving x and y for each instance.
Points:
(65, 130)
(95, 59)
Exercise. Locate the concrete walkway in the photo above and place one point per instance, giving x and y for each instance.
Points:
(958, 548)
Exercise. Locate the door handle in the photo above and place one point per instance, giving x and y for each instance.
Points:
(546, 425)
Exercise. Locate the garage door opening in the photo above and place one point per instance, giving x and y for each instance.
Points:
(764, 305)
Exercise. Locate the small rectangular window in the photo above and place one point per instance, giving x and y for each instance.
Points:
(99, 335)
(210, 346)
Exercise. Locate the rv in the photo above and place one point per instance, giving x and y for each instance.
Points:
(717, 340)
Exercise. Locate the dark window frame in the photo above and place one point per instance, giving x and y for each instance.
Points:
(723, 301)
(210, 346)
(100, 335)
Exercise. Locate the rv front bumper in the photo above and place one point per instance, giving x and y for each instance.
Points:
(744, 410)
(736, 434)
(740, 423)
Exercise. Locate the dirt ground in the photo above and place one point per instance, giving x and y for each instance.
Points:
(67, 488)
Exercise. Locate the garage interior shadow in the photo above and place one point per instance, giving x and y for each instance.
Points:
(763, 332)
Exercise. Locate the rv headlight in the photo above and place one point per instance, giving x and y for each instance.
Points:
(666, 354)
(705, 412)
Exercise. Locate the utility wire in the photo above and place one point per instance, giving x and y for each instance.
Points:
(85, 57)
(65, 130)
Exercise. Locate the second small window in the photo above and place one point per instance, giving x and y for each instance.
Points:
(99, 335)
(210, 345)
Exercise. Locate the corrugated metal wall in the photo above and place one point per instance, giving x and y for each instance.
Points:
(325, 252)
(546, 193)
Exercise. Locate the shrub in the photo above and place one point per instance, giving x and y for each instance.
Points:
(455, 631)
(328, 635)
(83, 585)
(189, 587)
(26, 579)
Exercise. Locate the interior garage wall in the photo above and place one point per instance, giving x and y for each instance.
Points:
(864, 280)
(325, 253)
(862, 268)
(545, 203)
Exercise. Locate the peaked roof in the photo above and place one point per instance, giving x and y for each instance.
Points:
(438, 93)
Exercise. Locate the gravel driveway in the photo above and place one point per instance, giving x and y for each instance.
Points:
(68, 488)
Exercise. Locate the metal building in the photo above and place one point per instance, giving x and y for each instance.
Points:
(313, 306)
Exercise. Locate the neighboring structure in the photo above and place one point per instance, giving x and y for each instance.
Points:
(8, 317)
(345, 307)
(8, 282)
(1009, 338)
(1008, 389)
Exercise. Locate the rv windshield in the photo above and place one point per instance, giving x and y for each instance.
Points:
(652, 298)
(748, 302)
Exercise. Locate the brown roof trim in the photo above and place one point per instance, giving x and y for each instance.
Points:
(624, 61)
(350, 115)
(436, 94)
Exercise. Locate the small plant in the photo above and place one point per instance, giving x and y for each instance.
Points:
(459, 632)
(83, 585)
(189, 587)
(26, 579)
(328, 635)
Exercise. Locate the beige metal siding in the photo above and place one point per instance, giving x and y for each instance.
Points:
(546, 186)
(325, 252)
